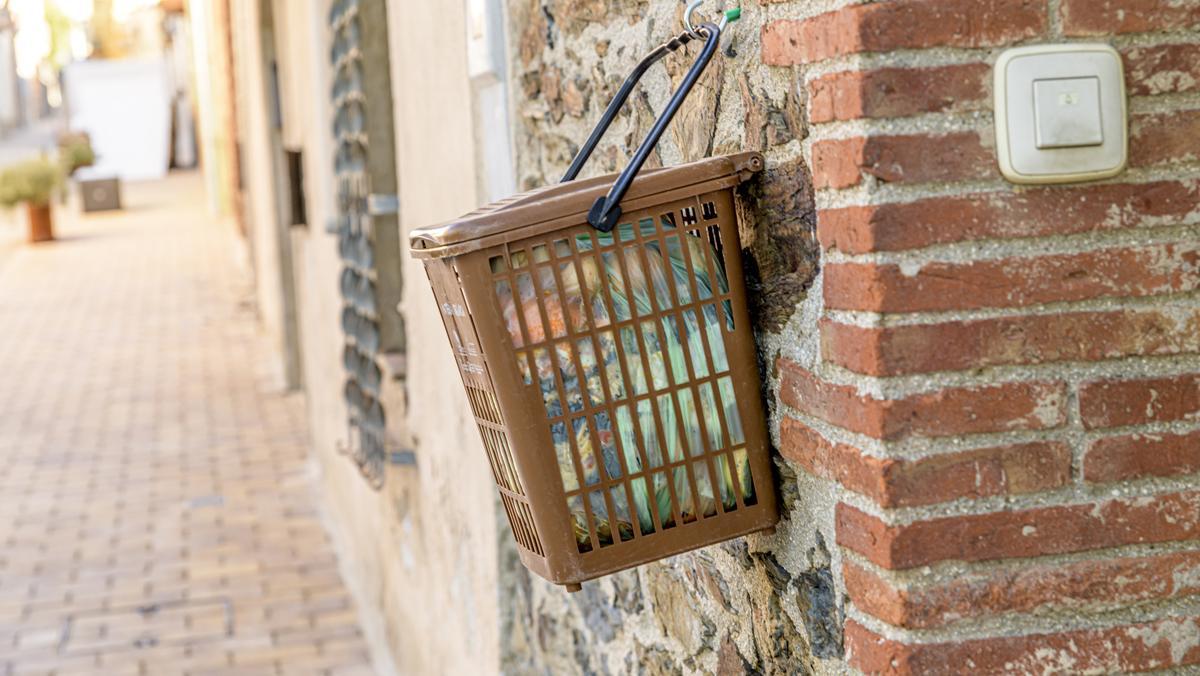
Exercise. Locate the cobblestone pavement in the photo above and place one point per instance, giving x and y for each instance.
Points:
(156, 510)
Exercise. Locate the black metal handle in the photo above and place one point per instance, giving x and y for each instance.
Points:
(607, 210)
(618, 102)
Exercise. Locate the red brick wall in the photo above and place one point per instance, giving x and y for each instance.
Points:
(1005, 388)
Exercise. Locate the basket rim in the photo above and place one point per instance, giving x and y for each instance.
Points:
(551, 207)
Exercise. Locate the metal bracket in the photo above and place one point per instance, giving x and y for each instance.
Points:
(403, 458)
(383, 205)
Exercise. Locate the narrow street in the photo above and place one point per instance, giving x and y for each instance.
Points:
(157, 514)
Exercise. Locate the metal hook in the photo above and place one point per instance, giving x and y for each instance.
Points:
(687, 17)
(726, 18)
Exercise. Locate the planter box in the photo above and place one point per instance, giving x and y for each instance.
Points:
(100, 194)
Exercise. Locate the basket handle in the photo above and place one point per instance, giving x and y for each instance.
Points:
(607, 210)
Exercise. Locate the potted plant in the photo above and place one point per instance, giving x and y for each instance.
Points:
(32, 182)
(97, 192)
(75, 151)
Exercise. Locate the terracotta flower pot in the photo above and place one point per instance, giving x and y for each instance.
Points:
(41, 225)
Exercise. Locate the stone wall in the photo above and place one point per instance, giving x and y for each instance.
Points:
(253, 46)
(766, 604)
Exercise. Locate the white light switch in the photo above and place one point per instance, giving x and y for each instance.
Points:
(1060, 113)
(1067, 112)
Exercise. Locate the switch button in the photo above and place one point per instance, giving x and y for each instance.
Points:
(1067, 112)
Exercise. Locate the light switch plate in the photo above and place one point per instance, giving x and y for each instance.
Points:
(1060, 113)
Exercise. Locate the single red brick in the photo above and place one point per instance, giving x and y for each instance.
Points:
(897, 92)
(1136, 456)
(1162, 69)
(841, 462)
(947, 412)
(984, 472)
(1104, 17)
(837, 96)
(1096, 583)
(1003, 470)
(788, 42)
(837, 163)
(1144, 646)
(1032, 212)
(1037, 339)
(840, 405)
(976, 410)
(1015, 534)
(901, 24)
(923, 158)
(1164, 137)
(918, 158)
(1116, 403)
(1012, 282)
(875, 596)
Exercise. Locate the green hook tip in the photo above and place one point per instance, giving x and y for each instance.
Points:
(733, 14)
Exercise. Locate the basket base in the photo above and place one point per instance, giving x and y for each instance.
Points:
(573, 587)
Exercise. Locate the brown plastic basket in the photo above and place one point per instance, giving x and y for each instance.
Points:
(612, 374)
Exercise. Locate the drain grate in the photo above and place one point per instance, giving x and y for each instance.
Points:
(147, 626)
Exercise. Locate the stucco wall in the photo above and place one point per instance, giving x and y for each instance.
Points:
(445, 507)
(259, 187)
(767, 603)
(420, 554)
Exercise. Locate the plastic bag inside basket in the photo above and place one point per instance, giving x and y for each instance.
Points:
(625, 334)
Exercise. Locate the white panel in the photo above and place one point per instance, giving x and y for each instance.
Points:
(125, 108)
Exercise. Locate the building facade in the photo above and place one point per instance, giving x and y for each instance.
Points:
(984, 398)
(10, 102)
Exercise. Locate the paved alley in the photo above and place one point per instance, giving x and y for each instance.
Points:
(156, 508)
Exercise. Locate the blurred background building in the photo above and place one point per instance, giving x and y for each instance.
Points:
(117, 70)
